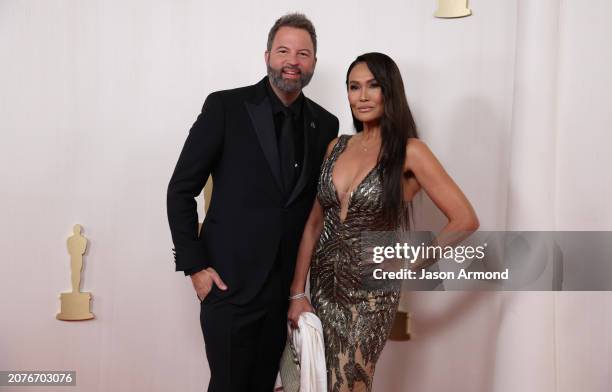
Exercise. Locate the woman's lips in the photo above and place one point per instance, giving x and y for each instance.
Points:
(365, 109)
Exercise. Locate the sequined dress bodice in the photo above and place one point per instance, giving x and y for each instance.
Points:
(356, 317)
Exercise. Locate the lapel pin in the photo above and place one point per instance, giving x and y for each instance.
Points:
(312, 124)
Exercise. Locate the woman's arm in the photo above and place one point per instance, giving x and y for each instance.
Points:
(443, 191)
(312, 232)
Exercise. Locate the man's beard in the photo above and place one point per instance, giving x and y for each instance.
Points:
(288, 85)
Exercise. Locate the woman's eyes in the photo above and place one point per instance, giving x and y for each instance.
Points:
(372, 85)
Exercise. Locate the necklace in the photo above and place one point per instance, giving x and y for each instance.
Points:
(363, 146)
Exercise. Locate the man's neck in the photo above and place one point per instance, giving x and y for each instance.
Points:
(286, 98)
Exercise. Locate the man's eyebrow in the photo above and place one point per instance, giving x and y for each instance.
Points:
(299, 50)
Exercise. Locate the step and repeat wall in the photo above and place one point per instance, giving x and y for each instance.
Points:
(96, 100)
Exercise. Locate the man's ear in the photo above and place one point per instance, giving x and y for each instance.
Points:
(267, 56)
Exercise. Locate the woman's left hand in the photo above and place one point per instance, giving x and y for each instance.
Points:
(296, 307)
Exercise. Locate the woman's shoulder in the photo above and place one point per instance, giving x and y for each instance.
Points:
(416, 146)
(341, 138)
(331, 145)
(416, 151)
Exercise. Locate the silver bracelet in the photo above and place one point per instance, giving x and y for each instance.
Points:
(297, 296)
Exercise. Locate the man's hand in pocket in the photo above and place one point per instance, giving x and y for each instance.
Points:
(204, 280)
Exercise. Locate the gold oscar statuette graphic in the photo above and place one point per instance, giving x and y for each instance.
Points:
(75, 305)
(207, 192)
(452, 9)
(401, 326)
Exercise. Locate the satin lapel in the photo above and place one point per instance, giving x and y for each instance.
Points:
(310, 138)
(261, 117)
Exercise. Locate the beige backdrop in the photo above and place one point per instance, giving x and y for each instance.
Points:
(96, 99)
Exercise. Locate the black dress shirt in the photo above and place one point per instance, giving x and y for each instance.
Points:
(278, 109)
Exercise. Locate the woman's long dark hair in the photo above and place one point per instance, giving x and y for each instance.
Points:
(396, 126)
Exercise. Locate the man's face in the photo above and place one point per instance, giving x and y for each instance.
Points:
(291, 60)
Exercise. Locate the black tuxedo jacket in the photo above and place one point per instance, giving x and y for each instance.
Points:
(249, 224)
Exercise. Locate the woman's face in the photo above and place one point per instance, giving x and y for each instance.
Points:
(365, 94)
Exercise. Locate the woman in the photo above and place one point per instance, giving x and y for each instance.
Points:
(367, 182)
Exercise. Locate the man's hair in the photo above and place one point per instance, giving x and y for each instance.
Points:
(295, 20)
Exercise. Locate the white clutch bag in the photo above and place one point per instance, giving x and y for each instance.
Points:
(302, 366)
(290, 368)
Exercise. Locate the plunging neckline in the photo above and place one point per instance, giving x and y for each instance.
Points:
(333, 184)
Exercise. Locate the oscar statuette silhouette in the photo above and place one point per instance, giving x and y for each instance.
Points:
(75, 304)
(452, 9)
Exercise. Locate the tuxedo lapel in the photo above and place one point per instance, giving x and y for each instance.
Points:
(260, 113)
(310, 138)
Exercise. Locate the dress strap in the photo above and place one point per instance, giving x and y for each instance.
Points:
(340, 144)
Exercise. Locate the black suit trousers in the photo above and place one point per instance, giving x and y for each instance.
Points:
(244, 343)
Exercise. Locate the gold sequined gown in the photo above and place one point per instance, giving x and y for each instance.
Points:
(356, 317)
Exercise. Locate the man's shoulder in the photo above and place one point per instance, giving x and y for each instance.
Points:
(235, 93)
(236, 97)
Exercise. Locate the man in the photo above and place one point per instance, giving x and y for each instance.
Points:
(263, 145)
